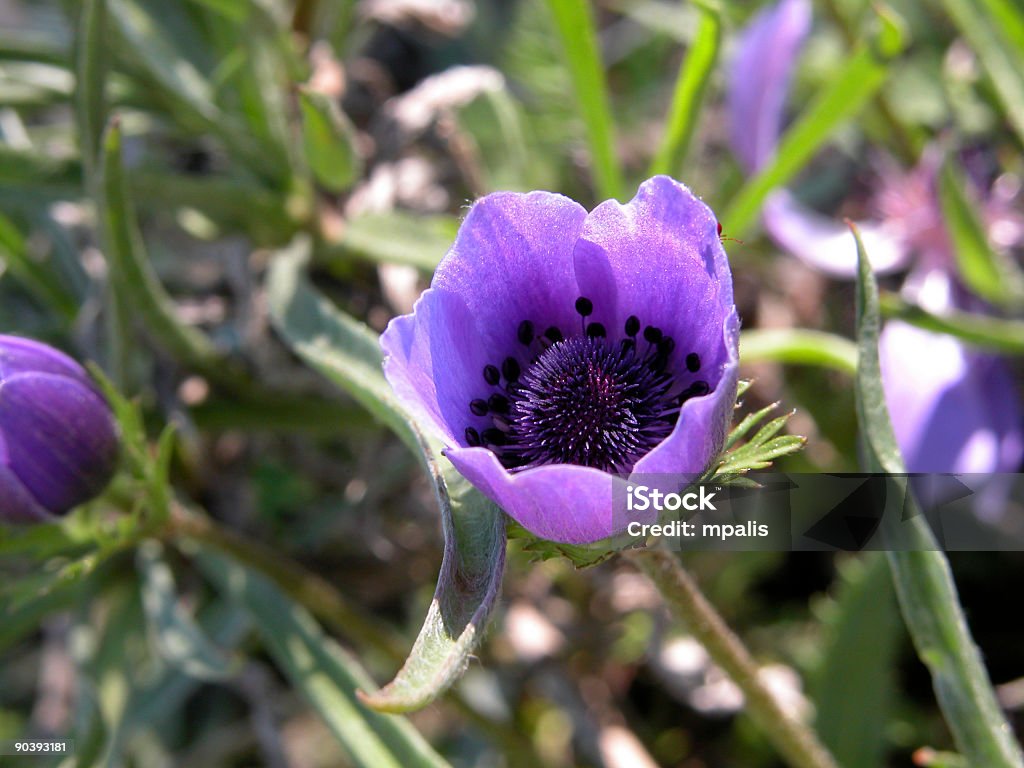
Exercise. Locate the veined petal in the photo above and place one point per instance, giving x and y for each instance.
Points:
(434, 360)
(703, 422)
(67, 444)
(561, 502)
(659, 257)
(512, 261)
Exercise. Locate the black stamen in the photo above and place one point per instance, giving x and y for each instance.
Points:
(510, 369)
(493, 436)
(498, 403)
(666, 346)
(596, 331)
(584, 306)
(478, 407)
(472, 437)
(525, 333)
(697, 389)
(632, 325)
(553, 334)
(652, 335)
(693, 362)
(492, 375)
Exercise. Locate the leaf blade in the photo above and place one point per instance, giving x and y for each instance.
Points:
(924, 585)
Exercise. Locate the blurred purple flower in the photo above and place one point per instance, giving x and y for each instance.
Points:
(556, 349)
(58, 440)
(953, 409)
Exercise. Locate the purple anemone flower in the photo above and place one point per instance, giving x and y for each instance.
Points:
(953, 409)
(58, 441)
(557, 351)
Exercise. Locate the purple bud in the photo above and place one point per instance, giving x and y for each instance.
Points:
(58, 440)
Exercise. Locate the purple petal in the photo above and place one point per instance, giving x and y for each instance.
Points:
(434, 360)
(16, 504)
(19, 355)
(826, 243)
(759, 79)
(703, 421)
(512, 261)
(952, 409)
(61, 439)
(659, 257)
(561, 502)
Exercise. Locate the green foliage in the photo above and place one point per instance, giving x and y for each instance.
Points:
(920, 571)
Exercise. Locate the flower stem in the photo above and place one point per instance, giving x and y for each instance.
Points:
(793, 739)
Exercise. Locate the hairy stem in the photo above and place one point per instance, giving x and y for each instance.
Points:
(791, 737)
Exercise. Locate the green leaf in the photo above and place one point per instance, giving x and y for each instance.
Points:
(326, 674)
(59, 176)
(1002, 59)
(574, 21)
(993, 333)
(349, 354)
(841, 99)
(856, 682)
(924, 584)
(177, 637)
(132, 274)
(91, 63)
(396, 238)
(329, 139)
(333, 343)
(691, 84)
(39, 277)
(800, 347)
(988, 273)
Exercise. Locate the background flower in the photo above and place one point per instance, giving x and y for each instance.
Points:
(953, 409)
(631, 304)
(58, 441)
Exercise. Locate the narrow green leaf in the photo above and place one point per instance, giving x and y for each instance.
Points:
(924, 584)
(338, 346)
(762, 455)
(177, 637)
(841, 99)
(993, 333)
(133, 277)
(749, 421)
(329, 139)
(856, 682)
(91, 63)
(22, 168)
(574, 20)
(326, 674)
(36, 48)
(1008, 16)
(691, 84)
(1002, 60)
(396, 238)
(38, 277)
(160, 54)
(988, 273)
(801, 347)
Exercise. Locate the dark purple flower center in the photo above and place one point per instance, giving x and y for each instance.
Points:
(586, 399)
